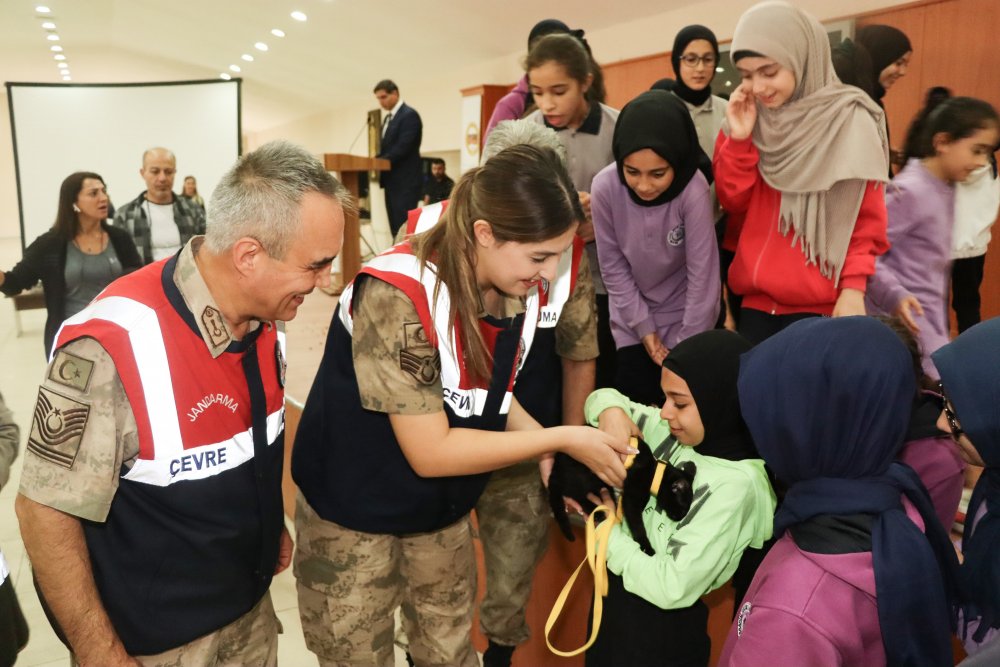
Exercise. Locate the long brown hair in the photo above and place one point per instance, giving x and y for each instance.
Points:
(526, 196)
(67, 222)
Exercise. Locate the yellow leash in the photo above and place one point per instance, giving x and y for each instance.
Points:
(597, 558)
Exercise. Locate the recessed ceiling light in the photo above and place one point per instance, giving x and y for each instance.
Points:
(62, 65)
(67, 78)
(719, 69)
(59, 56)
(225, 75)
(278, 33)
(49, 25)
(234, 68)
(42, 9)
(247, 57)
(52, 38)
(299, 16)
(260, 46)
(56, 48)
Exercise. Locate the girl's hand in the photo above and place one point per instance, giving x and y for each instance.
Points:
(905, 311)
(616, 423)
(741, 112)
(598, 451)
(850, 302)
(606, 499)
(655, 348)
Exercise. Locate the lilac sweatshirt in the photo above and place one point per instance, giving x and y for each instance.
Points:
(660, 264)
(921, 216)
(511, 106)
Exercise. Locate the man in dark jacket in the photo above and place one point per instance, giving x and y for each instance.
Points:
(401, 134)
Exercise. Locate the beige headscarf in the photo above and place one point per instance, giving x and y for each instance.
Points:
(821, 147)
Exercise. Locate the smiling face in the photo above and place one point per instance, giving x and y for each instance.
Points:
(560, 97)
(680, 410)
(771, 83)
(961, 157)
(512, 267)
(895, 71)
(92, 200)
(282, 284)
(647, 174)
(696, 74)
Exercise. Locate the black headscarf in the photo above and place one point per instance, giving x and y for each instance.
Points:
(968, 367)
(666, 84)
(685, 37)
(659, 121)
(828, 403)
(550, 27)
(885, 45)
(710, 364)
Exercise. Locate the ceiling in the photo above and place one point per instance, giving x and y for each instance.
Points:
(326, 62)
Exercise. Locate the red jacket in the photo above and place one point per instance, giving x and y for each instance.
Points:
(771, 273)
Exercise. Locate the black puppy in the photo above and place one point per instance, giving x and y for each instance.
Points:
(572, 479)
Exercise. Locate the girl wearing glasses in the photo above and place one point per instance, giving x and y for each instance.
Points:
(971, 386)
(804, 158)
(911, 279)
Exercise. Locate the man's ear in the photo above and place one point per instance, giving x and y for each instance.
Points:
(246, 254)
(483, 232)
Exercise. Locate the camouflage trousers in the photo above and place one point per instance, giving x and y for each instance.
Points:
(350, 584)
(514, 516)
(252, 639)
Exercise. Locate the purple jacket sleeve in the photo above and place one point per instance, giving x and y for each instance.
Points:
(701, 305)
(615, 268)
(510, 107)
(771, 636)
(884, 288)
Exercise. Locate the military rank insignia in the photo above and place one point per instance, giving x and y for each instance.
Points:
(418, 357)
(57, 427)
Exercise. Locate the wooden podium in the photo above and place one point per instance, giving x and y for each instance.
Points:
(348, 167)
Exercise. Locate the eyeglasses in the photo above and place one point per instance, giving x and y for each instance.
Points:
(949, 414)
(692, 60)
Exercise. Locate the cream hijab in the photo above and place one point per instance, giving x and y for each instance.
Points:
(821, 147)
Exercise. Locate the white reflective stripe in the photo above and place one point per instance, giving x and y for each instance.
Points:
(505, 406)
(429, 216)
(282, 345)
(345, 308)
(559, 290)
(150, 355)
(4, 570)
(205, 460)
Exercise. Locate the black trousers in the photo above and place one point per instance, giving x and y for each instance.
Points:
(637, 633)
(966, 277)
(607, 359)
(757, 326)
(637, 376)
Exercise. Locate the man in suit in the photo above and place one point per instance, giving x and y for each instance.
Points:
(401, 133)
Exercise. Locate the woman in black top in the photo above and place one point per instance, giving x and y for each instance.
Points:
(78, 257)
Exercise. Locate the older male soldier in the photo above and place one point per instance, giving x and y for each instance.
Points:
(159, 221)
(150, 503)
(402, 130)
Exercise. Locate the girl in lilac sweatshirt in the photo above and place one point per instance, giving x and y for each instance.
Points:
(656, 241)
(911, 280)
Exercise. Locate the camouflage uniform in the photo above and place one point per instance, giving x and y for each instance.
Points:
(13, 628)
(351, 582)
(513, 512)
(84, 432)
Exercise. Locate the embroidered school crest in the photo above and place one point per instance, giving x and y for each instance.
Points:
(741, 621)
(676, 235)
(57, 427)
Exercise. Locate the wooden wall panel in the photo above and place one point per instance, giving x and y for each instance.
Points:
(627, 78)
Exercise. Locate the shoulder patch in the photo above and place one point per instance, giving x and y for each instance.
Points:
(71, 371)
(57, 427)
(424, 366)
(214, 325)
(414, 336)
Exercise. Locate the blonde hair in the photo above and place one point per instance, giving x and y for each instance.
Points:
(526, 196)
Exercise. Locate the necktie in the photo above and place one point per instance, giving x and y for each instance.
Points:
(385, 122)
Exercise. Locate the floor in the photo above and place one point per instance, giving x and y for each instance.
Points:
(22, 368)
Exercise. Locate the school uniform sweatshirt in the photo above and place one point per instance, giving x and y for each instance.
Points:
(977, 200)
(806, 608)
(660, 264)
(769, 270)
(921, 215)
(733, 508)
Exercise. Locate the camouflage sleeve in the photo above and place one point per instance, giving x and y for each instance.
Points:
(398, 371)
(10, 436)
(82, 432)
(576, 330)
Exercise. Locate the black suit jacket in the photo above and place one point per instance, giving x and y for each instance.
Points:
(401, 146)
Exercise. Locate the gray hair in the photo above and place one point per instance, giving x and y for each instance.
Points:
(514, 132)
(261, 194)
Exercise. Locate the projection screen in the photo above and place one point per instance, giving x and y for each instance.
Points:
(62, 128)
